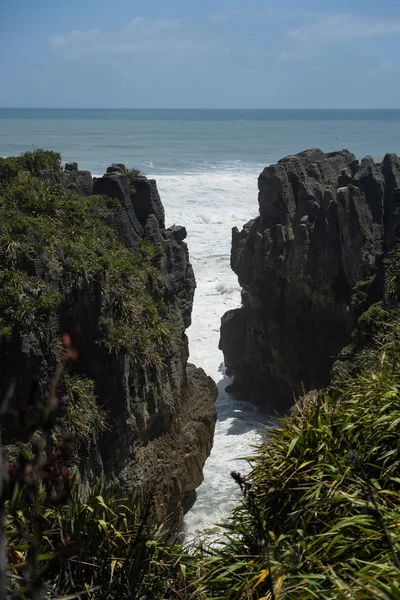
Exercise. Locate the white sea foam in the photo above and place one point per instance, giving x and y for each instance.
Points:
(209, 204)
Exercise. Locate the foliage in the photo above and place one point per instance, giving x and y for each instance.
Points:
(360, 296)
(54, 243)
(34, 162)
(63, 539)
(40, 160)
(102, 546)
(83, 418)
(392, 277)
(321, 509)
(128, 172)
(20, 449)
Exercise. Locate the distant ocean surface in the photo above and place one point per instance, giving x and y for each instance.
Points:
(183, 140)
(206, 163)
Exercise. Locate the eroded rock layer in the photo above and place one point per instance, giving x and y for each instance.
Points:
(325, 220)
(160, 413)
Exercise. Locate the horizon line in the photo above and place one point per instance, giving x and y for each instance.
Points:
(185, 108)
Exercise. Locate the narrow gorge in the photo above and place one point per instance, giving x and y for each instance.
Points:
(92, 279)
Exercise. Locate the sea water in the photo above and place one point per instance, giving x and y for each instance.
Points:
(206, 163)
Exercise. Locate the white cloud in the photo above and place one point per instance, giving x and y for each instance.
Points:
(389, 65)
(170, 41)
(307, 39)
(386, 67)
(219, 18)
(230, 15)
(265, 15)
(343, 27)
(290, 56)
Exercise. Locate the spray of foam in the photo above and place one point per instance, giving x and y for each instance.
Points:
(209, 204)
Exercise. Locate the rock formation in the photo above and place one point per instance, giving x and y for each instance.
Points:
(325, 220)
(161, 415)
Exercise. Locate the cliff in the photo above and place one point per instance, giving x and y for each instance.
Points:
(93, 256)
(306, 264)
(322, 498)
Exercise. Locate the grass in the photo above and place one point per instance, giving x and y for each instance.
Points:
(58, 252)
(83, 418)
(100, 547)
(55, 244)
(321, 509)
(33, 162)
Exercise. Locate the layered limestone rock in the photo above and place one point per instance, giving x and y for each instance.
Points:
(161, 414)
(325, 220)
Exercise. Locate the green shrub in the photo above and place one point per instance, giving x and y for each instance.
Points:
(40, 160)
(20, 449)
(83, 418)
(9, 168)
(103, 547)
(47, 229)
(392, 277)
(34, 162)
(321, 509)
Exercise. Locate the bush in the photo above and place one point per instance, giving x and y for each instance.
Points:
(34, 162)
(83, 418)
(40, 160)
(66, 240)
(321, 509)
(102, 547)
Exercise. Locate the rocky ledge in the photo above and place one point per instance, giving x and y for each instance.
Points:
(160, 412)
(325, 220)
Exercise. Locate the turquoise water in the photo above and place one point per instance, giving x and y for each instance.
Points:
(195, 140)
(206, 163)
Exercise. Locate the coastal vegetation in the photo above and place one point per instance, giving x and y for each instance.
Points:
(66, 238)
(33, 162)
(321, 507)
(320, 511)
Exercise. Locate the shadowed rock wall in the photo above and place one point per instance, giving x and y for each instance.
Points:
(325, 220)
(161, 415)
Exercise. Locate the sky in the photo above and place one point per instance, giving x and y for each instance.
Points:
(200, 54)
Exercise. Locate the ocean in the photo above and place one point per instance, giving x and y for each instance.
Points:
(206, 163)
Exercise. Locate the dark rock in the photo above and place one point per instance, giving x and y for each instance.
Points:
(180, 283)
(114, 169)
(391, 172)
(178, 232)
(146, 200)
(80, 182)
(161, 414)
(124, 218)
(152, 230)
(325, 220)
(233, 388)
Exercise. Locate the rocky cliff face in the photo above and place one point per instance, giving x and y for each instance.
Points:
(325, 220)
(160, 410)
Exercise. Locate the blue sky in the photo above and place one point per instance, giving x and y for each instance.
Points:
(212, 54)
